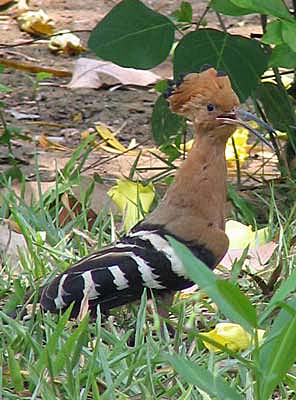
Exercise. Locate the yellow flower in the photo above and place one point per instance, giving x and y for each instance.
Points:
(240, 137)
(133, 199)
(231, 335)
(240, 236)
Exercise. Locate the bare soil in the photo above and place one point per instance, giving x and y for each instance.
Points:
(65, 113)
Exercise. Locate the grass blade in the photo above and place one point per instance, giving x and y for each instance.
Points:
(214, 385)
(278, 353)
(235, 305)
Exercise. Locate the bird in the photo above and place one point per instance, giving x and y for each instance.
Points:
(192, 211)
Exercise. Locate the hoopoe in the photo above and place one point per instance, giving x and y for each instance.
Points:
(192, 211)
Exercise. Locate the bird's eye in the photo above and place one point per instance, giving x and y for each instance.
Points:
(210, 107)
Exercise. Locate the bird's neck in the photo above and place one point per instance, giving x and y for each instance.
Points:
(199, 187)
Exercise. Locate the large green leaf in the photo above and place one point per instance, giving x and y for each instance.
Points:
(243, 59)
(278, 353)
(277, 106)
(133, 35)
(273, 34)
(215, 386)
(289, 33)
(277, 8)
(234, 304)
(227, 8)
(282, 56)
(165, 124)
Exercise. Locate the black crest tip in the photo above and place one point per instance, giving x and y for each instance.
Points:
(205, 67)
(168, 92)
(180, 79)
(221, 73)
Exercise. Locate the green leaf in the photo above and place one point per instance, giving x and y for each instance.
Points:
(215, 386)
(235, 305)
(273, 33)
(133, 35)
(277, 8)
(64, 354)
(52, 341)
(283, 56)
(165, 124)
(4, 88)
(15, 371)
(41, 76)
(278, 353)
(287, 286)
(184, 13)
(277, 106)
(289, 34)
(227, 8)
(244, 60)
(244, 206)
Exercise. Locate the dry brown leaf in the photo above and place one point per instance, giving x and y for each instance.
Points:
(14, 226)
(49, 144)
(86, 74)
(34, 68)
(99, 199)
(73, 208)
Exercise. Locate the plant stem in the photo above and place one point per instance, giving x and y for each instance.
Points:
(237, 163)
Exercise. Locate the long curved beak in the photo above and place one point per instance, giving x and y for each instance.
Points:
(239, 117)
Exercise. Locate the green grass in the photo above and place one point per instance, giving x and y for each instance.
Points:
(128, 355)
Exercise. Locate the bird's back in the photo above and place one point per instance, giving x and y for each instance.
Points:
(118, 274)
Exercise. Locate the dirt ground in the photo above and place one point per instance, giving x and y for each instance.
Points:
(65, 113)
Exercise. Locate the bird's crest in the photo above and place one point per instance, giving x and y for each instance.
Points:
(198, 88)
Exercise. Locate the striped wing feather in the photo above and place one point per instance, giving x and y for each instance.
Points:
(118, 274)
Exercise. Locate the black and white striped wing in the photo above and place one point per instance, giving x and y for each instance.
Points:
(117, 274)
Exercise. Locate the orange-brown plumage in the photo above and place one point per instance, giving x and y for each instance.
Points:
(193, 211)
(194, 205)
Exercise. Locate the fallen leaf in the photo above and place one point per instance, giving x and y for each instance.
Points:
(99, 199)
(71, 209)
(36, 23)
(14, 226)
(133, 199)
(109, 139)
(20, 115)
(231, 335)
(256, 259)
(33, 68)
(49, 144)
(64, 42)
(86, 74)
(240, 236)
(77, 118)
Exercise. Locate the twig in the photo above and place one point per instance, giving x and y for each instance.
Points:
(206, 10)
(34, 68)
(221, 22)
(237, 163)
(101, 162)
(35, 40)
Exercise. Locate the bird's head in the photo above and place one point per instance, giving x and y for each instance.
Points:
(208, 100)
